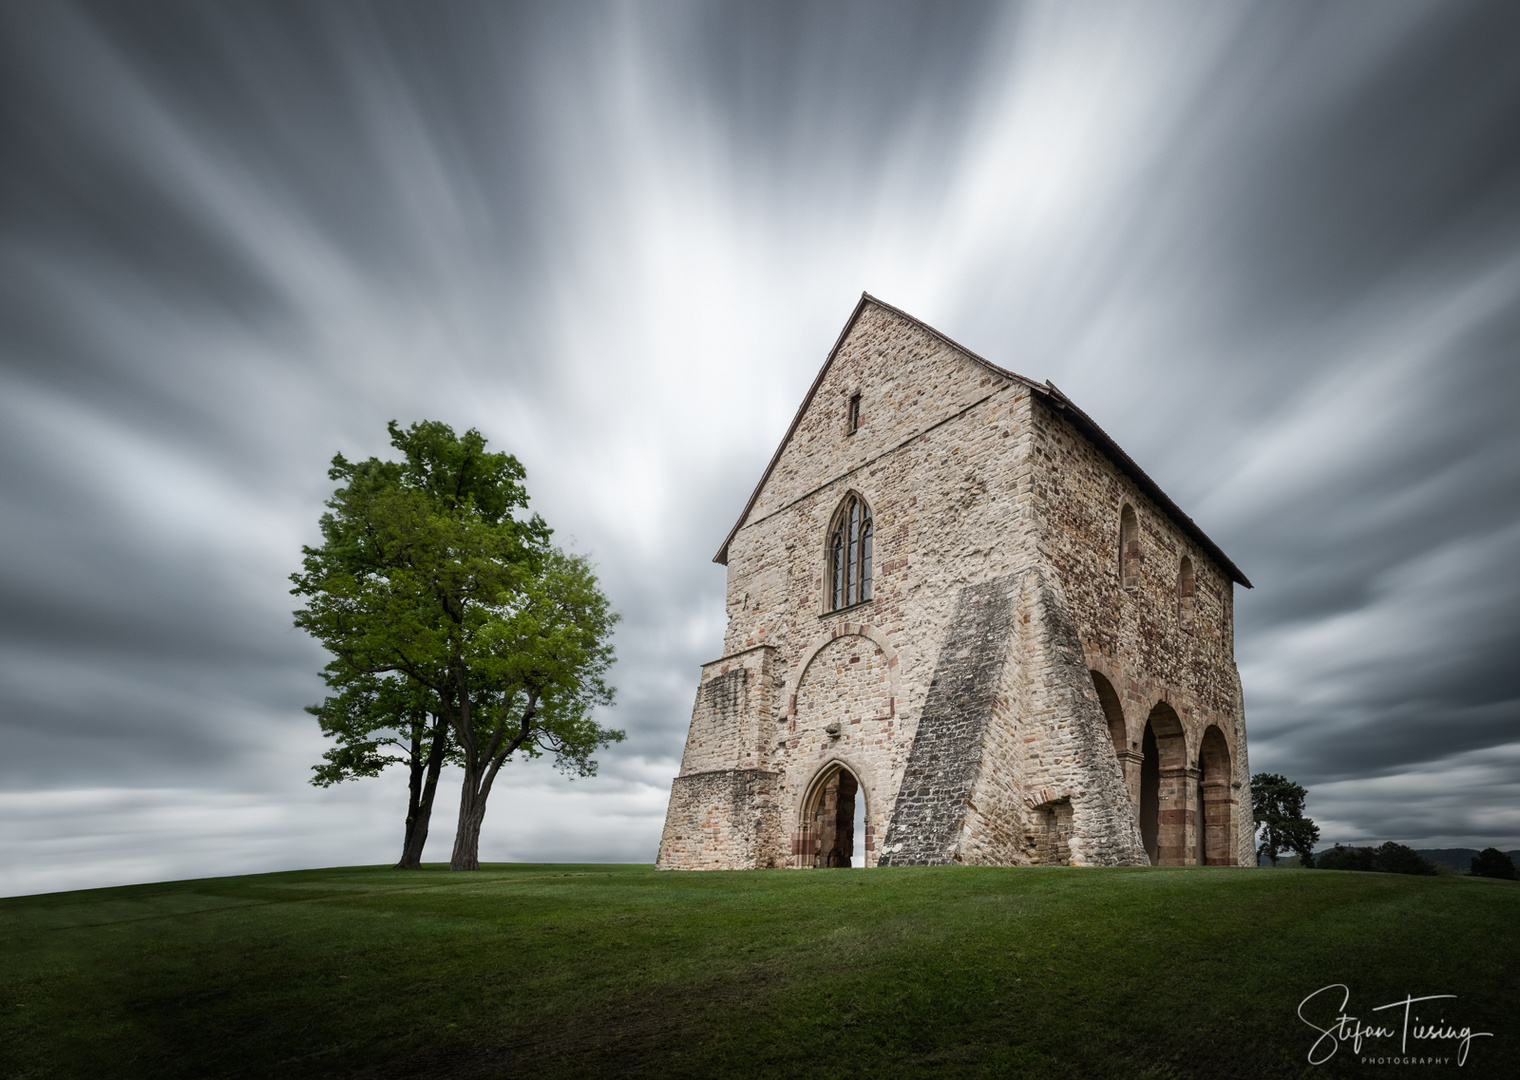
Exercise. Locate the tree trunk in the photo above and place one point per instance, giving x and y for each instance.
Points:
(416, 767)
(424, 785)
(480, 769)
(472, 813)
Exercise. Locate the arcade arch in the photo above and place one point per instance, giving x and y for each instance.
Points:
(1163, 787)
(1216, 807)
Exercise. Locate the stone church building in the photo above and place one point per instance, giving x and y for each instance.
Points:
(959, 612)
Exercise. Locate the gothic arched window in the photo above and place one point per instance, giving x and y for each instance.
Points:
(850, 539)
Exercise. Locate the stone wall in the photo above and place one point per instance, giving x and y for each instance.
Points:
(1141, 637)
(932, 460)
(972, 480)
(732, 714)
(720, 820)
(932, 798)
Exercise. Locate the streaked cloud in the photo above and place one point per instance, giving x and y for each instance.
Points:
(1271, 247)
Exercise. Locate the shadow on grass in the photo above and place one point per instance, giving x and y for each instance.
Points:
(543, 970)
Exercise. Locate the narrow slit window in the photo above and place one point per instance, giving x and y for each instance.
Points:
(865, 562)
(852, 420)
(854, 551)
(837, 573)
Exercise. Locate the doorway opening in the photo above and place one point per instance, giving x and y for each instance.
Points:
(1150, 791)
(1164, 813)
(833, 823)
(1216, 807)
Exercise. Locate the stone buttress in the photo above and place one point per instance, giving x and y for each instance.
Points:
(1008, 764)
(723, 805)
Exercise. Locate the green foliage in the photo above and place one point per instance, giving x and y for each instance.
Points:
(1398, 859)
(1391, 858)
(1493, 863)
(376, 720)
(1049, 973)
(431, 572)
(1277, 806)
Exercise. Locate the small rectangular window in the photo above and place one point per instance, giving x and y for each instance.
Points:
(854, 417)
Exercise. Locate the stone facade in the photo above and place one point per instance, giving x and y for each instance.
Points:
(1044, 668)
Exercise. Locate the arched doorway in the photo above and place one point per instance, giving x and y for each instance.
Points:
(826, 837)
(1163, 788)
(1215, 802)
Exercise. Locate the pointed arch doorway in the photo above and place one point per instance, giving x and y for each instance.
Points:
(830, 835)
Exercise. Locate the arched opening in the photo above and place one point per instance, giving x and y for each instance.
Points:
(1163, 788)
(1150, 789)
(851, 537)
(1214, 797)
(1129, 547)
(1049, 840)
(1113, 713)
(1187, 592)
(833, 815)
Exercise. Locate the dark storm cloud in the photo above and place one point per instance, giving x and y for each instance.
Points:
(1273, 248)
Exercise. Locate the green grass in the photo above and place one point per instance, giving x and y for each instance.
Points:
(617, 970)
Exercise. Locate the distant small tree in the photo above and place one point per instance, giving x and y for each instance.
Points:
(379, 721)
(1493, 863)
(1277, 806)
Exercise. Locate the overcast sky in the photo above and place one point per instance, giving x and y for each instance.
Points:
(1273, 248)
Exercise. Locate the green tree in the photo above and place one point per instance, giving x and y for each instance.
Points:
(1340, 857)
(1277, 806)
(428, 570)
(379, 721)
(1492, 863)
(1390, 858)
(1395, 858)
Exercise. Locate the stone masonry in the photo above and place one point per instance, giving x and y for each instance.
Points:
(1043, 670)
(942, 766)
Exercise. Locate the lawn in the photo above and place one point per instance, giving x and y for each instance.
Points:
(564, 970)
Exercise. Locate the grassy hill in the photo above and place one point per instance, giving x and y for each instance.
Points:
(617, 970)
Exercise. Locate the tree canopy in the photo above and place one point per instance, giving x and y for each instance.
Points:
(1277, 806)
(1390, 858)
(1492, 863)
(430, 570)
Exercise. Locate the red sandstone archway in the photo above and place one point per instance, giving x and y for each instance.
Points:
(1216, 800)
(1163, 788)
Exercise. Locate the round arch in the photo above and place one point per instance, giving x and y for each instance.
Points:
(1163, 787)
(1215, 800)
(1129, 546)
(839, 630)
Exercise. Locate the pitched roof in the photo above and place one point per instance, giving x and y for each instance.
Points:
(1052, 397)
